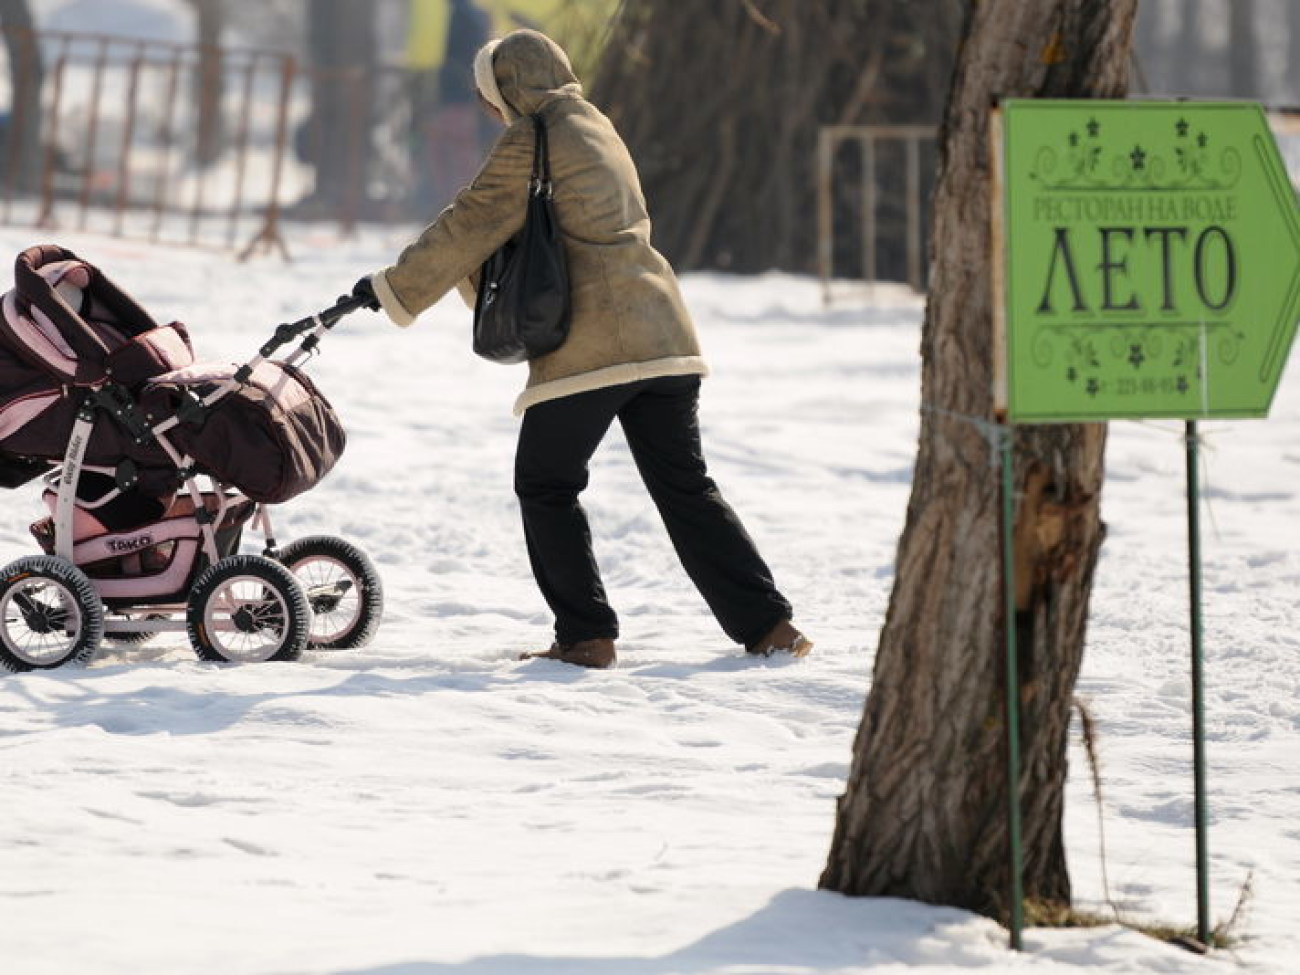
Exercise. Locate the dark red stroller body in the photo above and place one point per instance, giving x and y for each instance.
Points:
(112, 409)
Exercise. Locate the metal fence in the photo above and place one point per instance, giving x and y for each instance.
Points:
(147, 139)
(873, 192)
(207, 146)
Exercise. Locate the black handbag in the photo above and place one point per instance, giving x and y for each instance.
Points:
(522, 308)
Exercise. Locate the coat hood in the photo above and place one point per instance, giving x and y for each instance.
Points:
(527, 69)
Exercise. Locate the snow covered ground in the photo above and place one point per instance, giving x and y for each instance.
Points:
(431, 805)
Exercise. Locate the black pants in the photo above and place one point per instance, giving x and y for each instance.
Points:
(659, 419)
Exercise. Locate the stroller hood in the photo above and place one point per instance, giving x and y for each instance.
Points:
(65, 316)
(66, 326)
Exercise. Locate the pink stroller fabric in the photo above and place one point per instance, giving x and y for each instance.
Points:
(66, 328)
(105, 335)
(147, 561)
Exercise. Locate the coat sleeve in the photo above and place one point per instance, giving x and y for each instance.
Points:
(468, 288)
(483, 216)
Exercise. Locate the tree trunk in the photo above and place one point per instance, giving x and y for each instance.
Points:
(1293, 52)
(924, 814)
(209, 81)
(1243, 50)
(1149, 46)
(343, 54)
(21, 160)
(727, 157)
(1189, 51)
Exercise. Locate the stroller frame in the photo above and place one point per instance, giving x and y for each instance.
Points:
(213, 595)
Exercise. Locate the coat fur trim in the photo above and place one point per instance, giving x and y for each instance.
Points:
(388, 300)
(485, 78)
(618, 375)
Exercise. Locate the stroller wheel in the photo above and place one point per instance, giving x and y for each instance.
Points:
(343, 589)
(247, 609)
(50, 614)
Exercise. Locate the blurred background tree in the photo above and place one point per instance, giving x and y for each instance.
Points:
(342, 54)
(721, 104)
(20, 120)
(209, 80)
(721, 108)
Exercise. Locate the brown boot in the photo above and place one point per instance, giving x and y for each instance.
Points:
(598, 653)
(784, 638)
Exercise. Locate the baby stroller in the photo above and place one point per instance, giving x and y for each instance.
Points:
(153, 466)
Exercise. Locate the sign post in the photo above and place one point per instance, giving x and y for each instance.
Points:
(1149, 267)
(1201, 813)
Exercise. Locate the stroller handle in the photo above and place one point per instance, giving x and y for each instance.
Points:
(328, 318)
(345, 305)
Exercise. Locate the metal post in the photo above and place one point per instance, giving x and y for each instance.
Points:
(825, 212)
(914, 273)
(869, 208)
(270, 232)
(1198, 685)
(168, 132)
(128, 137)
(51, 138)
(241, 147)
(92, 131)
(1012, 688)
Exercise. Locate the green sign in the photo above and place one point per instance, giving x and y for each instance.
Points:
(1151, 260)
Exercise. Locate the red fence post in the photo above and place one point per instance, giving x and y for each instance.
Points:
(269, 236)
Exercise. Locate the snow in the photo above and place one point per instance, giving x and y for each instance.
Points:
(430, 804)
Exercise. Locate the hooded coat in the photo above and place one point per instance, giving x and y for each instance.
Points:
(628, 318)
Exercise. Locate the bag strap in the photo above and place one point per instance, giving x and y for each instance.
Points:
(539, 183)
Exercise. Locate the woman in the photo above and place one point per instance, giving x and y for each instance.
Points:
(631, 354)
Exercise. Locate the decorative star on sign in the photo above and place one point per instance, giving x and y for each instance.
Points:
(1094, 127)
(1135, 356)
(1139, 157)
(1074, 140)
(1094, 387)
(1182, 128)
(1202, 140)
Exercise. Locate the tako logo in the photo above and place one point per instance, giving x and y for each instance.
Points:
(135, 544)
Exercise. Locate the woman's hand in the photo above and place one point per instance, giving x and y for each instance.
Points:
(365, 290)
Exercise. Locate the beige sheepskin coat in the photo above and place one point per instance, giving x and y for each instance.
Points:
(629, 321)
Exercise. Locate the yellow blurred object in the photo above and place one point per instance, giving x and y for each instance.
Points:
(578, 25)
(573, 23)
(426, 37)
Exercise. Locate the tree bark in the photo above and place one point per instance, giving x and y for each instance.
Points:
(21, 161)
(924, 812)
